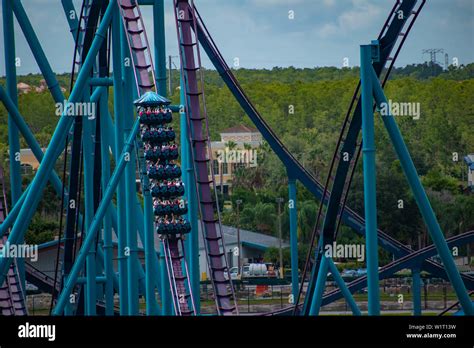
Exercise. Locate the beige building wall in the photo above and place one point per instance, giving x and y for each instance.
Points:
(246, 139)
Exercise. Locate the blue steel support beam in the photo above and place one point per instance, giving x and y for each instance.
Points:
(130, 178)
(370, 203)
(342, 285)
(119, 119)
(410, 261)
(149, 243)
(97, 221)
(88, 154)
(192, 243)
(71, 15)
(109, 138)
(107, 234)
(160, 46)
(422, 200)
(13, 136)
(293, 236)
(57, 141)
(37, 152)
(38, 52)
(10, 69)
(317, 297)
(416, 290)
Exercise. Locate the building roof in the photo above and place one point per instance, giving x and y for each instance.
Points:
(240, 129)
(248, 238)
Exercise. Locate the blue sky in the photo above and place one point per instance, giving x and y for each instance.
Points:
(260, 34)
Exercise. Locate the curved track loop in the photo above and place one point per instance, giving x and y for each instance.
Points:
(454, 305)
(12, 299)
(350, 218)
(387, 270)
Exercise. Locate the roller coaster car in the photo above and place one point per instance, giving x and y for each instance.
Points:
(165, 227)
(178, 207)
(163, 172)
(158, 136)
(163, 152)
(168, 189)
(155, 117)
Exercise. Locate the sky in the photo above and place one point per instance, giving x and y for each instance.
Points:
(261, 34)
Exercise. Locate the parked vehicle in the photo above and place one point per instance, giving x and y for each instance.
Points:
(234, 273)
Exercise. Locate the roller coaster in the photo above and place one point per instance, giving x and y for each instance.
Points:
(104, 154)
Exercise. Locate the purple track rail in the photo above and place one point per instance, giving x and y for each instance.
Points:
(199, 138)
(12, 300)
(179, 281)
(145, 82)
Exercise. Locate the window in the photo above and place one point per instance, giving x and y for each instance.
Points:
(225, 168)
(215, 164)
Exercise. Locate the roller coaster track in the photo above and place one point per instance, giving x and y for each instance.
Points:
(145, 82)
(179, 281)
(454, 305)
(388, 270)
(46, 283)
(391, 37)
(351, 218)
(198, 134)
(12, 296)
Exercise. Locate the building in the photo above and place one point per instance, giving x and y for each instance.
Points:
(253, 244)
(253, 247)
(27, 158)
(236, 149)
(469, 159)
(23, 88)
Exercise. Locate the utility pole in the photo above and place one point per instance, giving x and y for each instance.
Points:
(238, 202)
(280, 200)
(170, 72)
(433, 53)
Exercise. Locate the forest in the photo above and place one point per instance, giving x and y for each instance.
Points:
(437, 141)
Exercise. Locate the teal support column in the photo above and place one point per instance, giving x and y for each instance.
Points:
(423, 202)
(109, 137)
(96, 222)
(320, 285)
(57, 141)
(10, 69)
(107, 234)
(160, 46)
(88, 154)
(150, 253)
(165, 286)
(160, 73)
(293, 236)
(119, 131)
(370, 205)
(131, 252)
(416, 291)
(37, 152)
(192, 242)
(13, 134)
(342, 285)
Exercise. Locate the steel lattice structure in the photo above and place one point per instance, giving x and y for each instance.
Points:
(109, 151)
